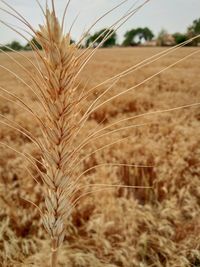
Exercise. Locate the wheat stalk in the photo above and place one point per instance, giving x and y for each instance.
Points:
(56, 83)
(60, 98)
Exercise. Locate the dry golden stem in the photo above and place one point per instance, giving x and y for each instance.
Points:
(54, 254)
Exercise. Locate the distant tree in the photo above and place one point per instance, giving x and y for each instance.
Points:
(147, 34)
(35, 43)
(4, 48)
(129, 38)
(161, 36)
(194, 30)
(165, 39)
(16, 46)
(135, 36)
(99, 36)
(180, 37)
(13, 45)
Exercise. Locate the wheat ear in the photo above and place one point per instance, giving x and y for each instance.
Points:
(62, 62)
(60, 103)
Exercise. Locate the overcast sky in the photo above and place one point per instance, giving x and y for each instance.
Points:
(172, 15)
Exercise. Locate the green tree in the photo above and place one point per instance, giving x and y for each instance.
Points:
(16, 46)
(147, 34)
(99, 36)
(180, 37)
(37, 45)
(135, 36)
(129, 38)
(194, 30)
(13, 45)
(5, 48)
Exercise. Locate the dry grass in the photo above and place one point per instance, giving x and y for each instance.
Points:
(116, 226)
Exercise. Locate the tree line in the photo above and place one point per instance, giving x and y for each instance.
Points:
(133, 37)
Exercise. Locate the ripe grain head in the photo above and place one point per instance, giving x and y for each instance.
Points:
(63, 122)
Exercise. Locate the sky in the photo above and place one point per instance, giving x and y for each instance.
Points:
(171, 15)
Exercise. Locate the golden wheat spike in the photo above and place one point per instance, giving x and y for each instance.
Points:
(61, 67)
(62, 63)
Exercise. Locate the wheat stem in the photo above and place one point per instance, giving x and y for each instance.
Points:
(54, 254)
(59, 96)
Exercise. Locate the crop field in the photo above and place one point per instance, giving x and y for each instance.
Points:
(139, 195)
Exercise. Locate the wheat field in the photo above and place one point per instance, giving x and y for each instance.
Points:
(116, 226)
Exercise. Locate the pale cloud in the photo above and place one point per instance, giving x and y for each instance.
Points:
(173, 15)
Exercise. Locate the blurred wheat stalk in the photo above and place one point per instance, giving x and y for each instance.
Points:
(56, 83)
